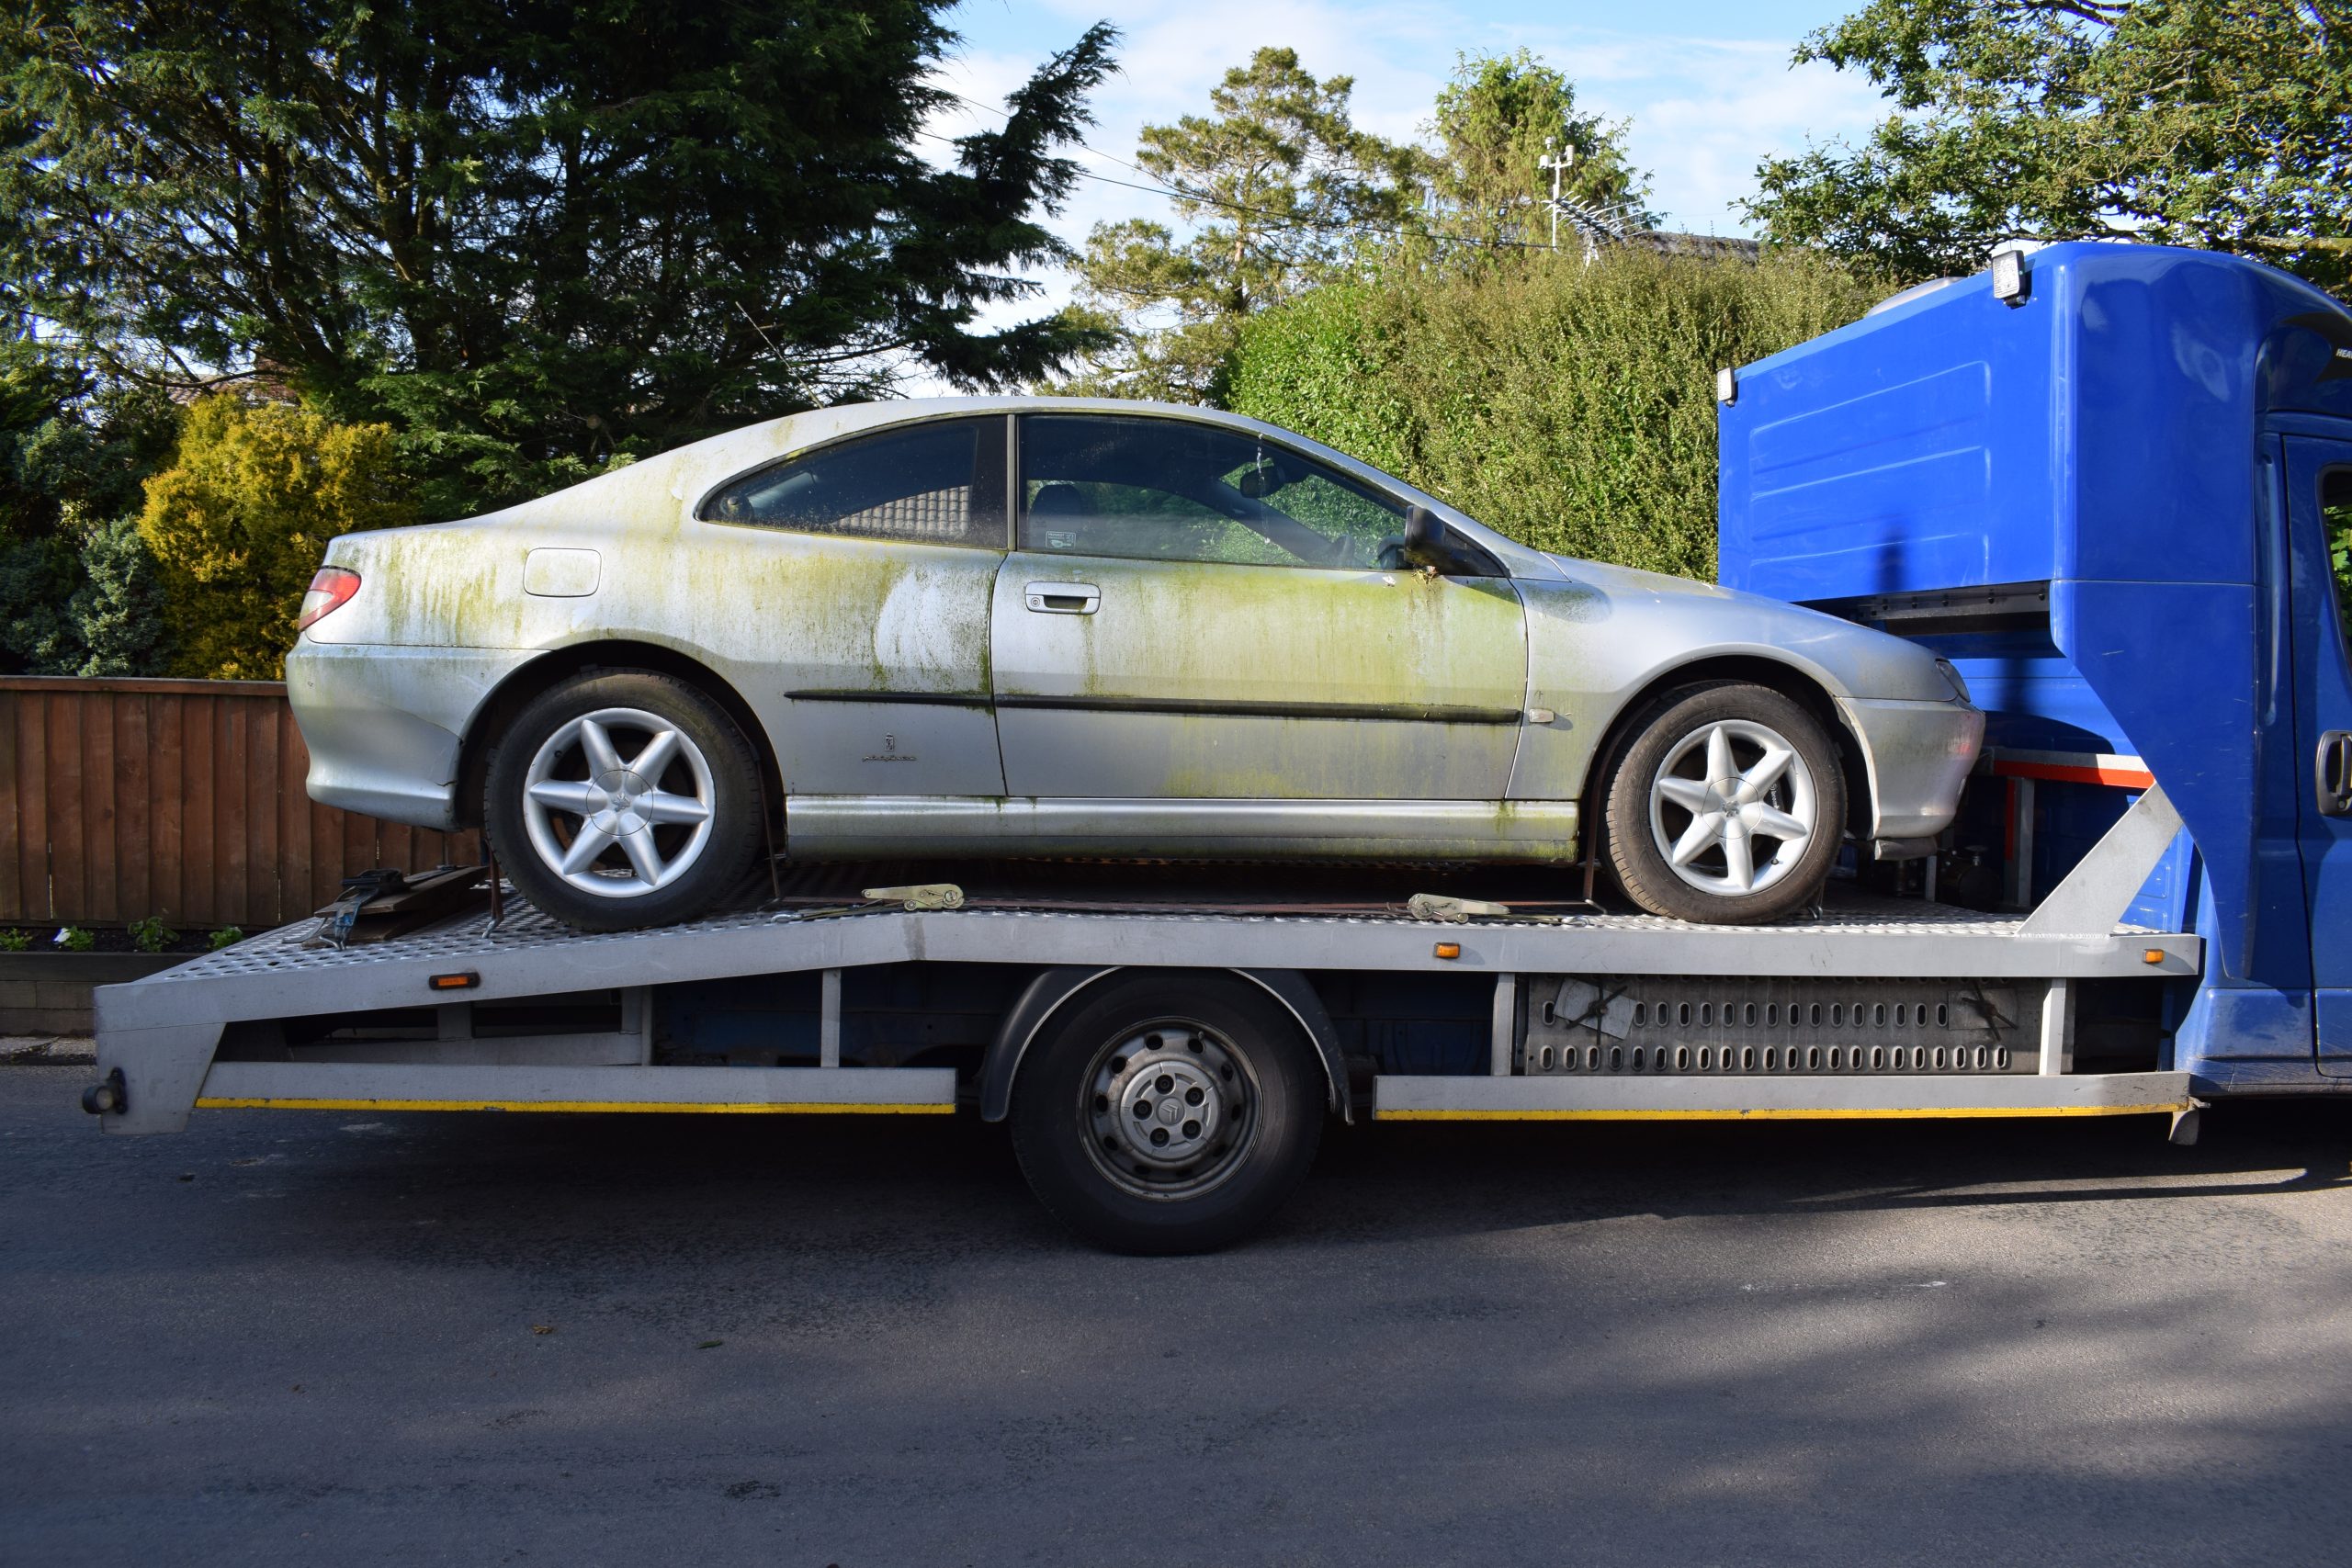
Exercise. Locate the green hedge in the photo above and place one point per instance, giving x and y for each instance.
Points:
(1568, 406)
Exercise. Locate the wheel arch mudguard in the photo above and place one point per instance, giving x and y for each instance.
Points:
(1050, 989)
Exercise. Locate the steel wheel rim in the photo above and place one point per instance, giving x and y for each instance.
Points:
(619, 803)
(1733, 807)
(1140, 1120)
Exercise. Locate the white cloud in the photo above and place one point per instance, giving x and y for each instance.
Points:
(1703, 143)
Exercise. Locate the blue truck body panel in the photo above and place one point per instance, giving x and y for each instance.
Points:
(2106, 429)
(2113, 440)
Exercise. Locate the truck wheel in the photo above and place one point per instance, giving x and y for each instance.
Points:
(1169, 1113)
(616, 801)
(1726, 807)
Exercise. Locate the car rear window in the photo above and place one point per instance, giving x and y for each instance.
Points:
(940, 483)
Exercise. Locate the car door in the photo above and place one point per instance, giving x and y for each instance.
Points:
(2317, 473)
(850, 585)
(1193, 612)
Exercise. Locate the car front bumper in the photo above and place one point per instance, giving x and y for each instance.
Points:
(1918, 755)
(385, 724)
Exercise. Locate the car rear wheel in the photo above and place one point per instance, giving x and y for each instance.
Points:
(618, 801)
(1726, 806)
(1169, 1113)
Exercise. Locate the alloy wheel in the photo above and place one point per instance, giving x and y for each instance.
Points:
(1733, 807)
(619, 803)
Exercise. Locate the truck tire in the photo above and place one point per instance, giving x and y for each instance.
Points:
(1726, 806)
(622, 800)
(1168, 1113)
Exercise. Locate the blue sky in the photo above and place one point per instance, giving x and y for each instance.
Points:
(1707, 87)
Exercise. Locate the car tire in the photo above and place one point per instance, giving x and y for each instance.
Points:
(1753, 845)
(1168, 1113)
(673, 845)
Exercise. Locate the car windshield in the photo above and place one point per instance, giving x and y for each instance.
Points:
(1169, 490)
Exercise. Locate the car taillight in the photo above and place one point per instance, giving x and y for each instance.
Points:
(329, 591)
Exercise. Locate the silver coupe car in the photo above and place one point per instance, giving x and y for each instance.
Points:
(1071, 627)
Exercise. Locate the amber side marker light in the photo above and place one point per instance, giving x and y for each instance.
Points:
(2152, 955)
(1448, 949)
(463, 980)
(329, 591)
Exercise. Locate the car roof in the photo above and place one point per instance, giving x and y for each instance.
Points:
(796, 433)
(654, 488)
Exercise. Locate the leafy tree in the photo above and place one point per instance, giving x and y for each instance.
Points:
(536, 238)
(89, 458)
(1279, 186)
(35, 391)
(37, 581)
(85, 606)
(1496, 122)
(238, 522)
(73, 454)
(118, 609)
(2215, 123)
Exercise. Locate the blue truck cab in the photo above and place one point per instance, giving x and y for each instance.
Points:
(2113, 484)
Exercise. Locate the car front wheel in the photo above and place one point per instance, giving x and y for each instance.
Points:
(623, 800)
(1726, 807)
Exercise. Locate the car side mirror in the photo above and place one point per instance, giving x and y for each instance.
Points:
(1424, 537)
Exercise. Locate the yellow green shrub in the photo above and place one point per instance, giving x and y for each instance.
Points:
(240, 520)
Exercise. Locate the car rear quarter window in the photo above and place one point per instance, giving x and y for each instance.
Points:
(939, 483)
(1161, 489)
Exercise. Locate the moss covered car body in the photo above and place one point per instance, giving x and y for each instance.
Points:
(1002, 668)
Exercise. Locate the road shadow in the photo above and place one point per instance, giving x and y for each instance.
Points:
(861, 1340)
(821, 1186)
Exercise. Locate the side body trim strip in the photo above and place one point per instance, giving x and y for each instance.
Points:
(1423, 713)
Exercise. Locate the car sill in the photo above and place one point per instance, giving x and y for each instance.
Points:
(841, 826)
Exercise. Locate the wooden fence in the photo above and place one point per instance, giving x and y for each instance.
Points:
(179, 798)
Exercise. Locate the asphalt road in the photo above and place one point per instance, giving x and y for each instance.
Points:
(296, 1338)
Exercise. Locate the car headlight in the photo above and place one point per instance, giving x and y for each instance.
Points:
(1952, 678)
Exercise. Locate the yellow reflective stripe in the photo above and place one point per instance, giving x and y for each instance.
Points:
(242, 1103)
(1779, 1114)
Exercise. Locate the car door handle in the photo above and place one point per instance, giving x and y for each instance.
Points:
(2333, 774)
(1062, 598)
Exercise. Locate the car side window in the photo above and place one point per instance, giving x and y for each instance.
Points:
(2335, 515)
(941, 483)
(1173, 490)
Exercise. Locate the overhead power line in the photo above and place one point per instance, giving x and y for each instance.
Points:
(1283, 219)
(1596, 223)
